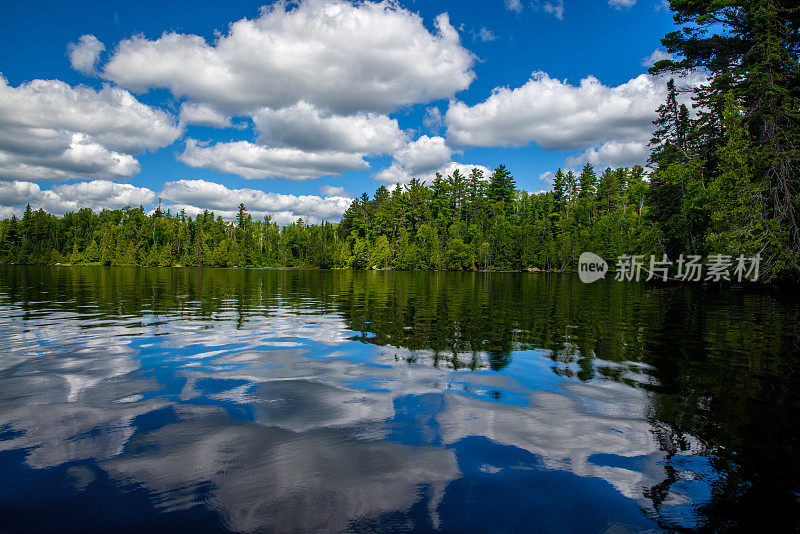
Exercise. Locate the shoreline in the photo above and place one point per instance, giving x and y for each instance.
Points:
(670, 282)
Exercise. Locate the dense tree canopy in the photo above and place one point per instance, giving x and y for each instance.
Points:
(456, 223)
(729, 179)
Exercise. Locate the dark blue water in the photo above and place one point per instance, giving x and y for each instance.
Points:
(164, 400)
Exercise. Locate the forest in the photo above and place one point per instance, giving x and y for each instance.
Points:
(456, 223)
(722, 178)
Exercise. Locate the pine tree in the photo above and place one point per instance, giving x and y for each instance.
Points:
(736, 195)
(242, 218)
(457, 184)
(559, 183)
(668, 144)
(751, 50)
(502, 185)
(587, 181)
(571, 187)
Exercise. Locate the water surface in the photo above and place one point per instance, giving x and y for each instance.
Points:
(211, 400)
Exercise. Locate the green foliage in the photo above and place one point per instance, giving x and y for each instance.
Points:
(501, 185)
(460, 223)
(131, 237)
(587, 181)
(736, 194)
(744, 145)
(457, 223)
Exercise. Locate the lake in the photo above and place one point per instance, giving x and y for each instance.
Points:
(210, 400)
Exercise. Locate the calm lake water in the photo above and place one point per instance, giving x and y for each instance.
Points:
(165, 400)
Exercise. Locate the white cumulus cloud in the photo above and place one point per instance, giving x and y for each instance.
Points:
(613, 154)
(50, 130)
(610, 125)
(424, 154)
(203, 115)
(197, 195)
(336, 55)
(557, 115)
(333, 191)
(254, 161)
(194, 196)
(61, 157)
(97, 194)
(306, 127)
(396, 174)
(417, 158)
(84, 55)
(61, 198)
(18, 193)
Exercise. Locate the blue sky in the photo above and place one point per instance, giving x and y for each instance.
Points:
(166, 99)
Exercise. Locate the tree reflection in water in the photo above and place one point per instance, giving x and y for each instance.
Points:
(684, 399)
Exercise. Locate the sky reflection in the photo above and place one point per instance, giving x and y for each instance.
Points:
(280, 416)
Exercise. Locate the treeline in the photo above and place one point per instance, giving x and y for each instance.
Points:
(455, 223)
(471, 222)
(130, 236)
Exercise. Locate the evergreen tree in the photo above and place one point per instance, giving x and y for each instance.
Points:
(559, 185)
(668, 144)
(242, 218)
(502, 185)
(736, 196)
(570, 188)
(587, 181)
(751, 50)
